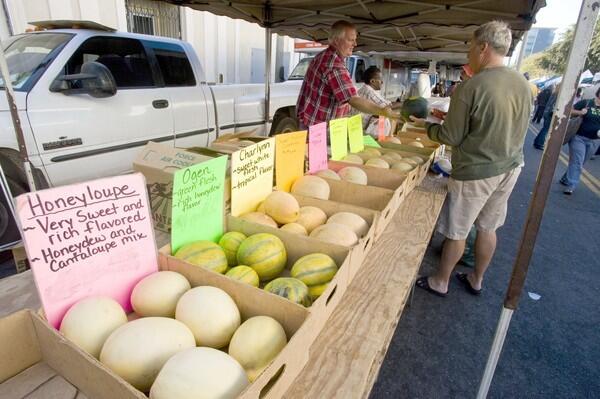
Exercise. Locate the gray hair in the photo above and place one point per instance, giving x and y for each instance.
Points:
(495, 33)
(338, 30)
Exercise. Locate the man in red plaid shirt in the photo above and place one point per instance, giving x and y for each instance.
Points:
(327, 91)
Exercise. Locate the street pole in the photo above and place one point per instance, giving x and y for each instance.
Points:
(584, 31)
(14, 113)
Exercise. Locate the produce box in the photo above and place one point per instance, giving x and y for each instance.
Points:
(229, 143)
(158, 162)
(408, 136)
(35, 357)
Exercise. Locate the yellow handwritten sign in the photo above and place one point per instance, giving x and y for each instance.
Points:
(251, 176)
(355, 133)
(338, 135)
(290, 149)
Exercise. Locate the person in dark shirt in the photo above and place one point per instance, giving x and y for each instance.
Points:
(541, 101)
(582, 145)
(540, 139)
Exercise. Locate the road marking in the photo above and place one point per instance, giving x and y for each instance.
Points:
(586, 177)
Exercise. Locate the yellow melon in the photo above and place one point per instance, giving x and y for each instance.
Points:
(259, 218)
(311, 186)
(245, 274)
(230, 242)
(291, 289)
(206, 254)
(328, 174)
(282, 207)
(265, 253)
(311, 217)
(261, 207)
(294, 228)
(315, 291)
(314, 269)
(378, 163)
(352, 158)
(354, 175)
(357, 224)
(335, 233)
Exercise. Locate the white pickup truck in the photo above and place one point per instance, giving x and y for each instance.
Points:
(89, 99)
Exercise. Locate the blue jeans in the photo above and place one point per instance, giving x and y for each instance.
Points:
(540, 139)
(580, 150)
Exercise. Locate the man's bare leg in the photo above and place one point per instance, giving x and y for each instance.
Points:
(452, 251)
(485, 246)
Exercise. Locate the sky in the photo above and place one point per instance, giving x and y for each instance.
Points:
(558, 14)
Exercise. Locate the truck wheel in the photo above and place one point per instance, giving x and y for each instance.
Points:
(286, 124)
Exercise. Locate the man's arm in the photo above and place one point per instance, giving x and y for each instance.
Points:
(455, 127)
(369, 107)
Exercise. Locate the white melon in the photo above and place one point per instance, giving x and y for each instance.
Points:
(353, 174)
(311, 186)
(357, 224)
(157, 294)
(335, 233)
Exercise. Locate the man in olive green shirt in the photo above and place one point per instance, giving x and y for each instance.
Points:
(486, 126)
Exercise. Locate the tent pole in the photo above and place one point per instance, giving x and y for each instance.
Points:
(584, 31)
(521, 52)
(14, 113)
(268, 50)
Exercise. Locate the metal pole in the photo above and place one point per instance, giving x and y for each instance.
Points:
(268, 36)
(522, 51)
(14, 113)
(577, 55)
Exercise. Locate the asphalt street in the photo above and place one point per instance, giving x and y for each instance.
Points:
(440, 346)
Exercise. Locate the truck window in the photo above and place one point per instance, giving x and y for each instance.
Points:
(125, 58)
(173, 63)
(360, 70)
(29, 55)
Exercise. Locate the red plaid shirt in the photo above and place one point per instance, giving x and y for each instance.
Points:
(326, 89)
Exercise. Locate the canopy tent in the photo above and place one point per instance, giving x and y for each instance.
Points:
(383, 25)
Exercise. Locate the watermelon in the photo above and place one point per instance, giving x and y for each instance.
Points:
(291, 289)
(416, 106)
(206, 254)
(263, 252)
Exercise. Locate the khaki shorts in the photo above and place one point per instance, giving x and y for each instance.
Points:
(481, 202)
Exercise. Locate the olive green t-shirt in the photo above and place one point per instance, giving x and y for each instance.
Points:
(486, 124)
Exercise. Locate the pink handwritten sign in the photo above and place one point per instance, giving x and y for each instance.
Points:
(88, 239)
(317, 147)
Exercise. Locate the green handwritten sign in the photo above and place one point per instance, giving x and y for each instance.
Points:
(338, 136)
(370, 141)
(197, 212)
(355, 133)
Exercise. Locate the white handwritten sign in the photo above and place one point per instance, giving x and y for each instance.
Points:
(88, 239)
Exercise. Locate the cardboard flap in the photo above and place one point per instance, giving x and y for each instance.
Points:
(166, 157)
(19, 348)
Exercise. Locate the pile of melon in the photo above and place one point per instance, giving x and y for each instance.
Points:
(374, 158)
(182, 343)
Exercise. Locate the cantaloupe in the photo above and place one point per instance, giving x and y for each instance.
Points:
(311, 217)
(417, 159)
(394, 155)
(196, 373)
(265, 253)
(417, 144)
(230, 242)
(354, 175)
(311, 186)
(366, 155)
(314, 269)
(291, 289)
(282, 207)
(258, 341)
(261, 207)
(294, 228)
(137, 351)
(352, 158)
(389, 159)
(402, 166)
(378, 163)
(373, 151)
(245, 274)
(259, 218)
(211, 315)
(410, 161)
(356, 223)
(315, 291)
(335, 233)
(89, 322)
(205, 254)
(394, 140)
(157, 294)
(328, 174)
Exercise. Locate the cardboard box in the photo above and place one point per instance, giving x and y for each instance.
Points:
(232, 142)
(158, 162)
(410, 135)
(35, 357)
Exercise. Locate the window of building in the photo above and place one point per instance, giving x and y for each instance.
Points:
(173, 63)
(125, 58)
(153, 18)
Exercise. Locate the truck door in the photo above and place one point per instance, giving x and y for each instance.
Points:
(81, 137)
(187, 96)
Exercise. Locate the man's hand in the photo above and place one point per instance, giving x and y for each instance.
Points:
(388, 113)
(418, 122)
(584, 111)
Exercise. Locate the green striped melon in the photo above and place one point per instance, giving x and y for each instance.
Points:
(206, 254)
(230, 242)
(291, 289)
(315, 291)
(265, 253)
(244, 274)
(314, 269)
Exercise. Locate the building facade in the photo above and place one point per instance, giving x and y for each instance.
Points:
(538, 39)
(231, 51)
